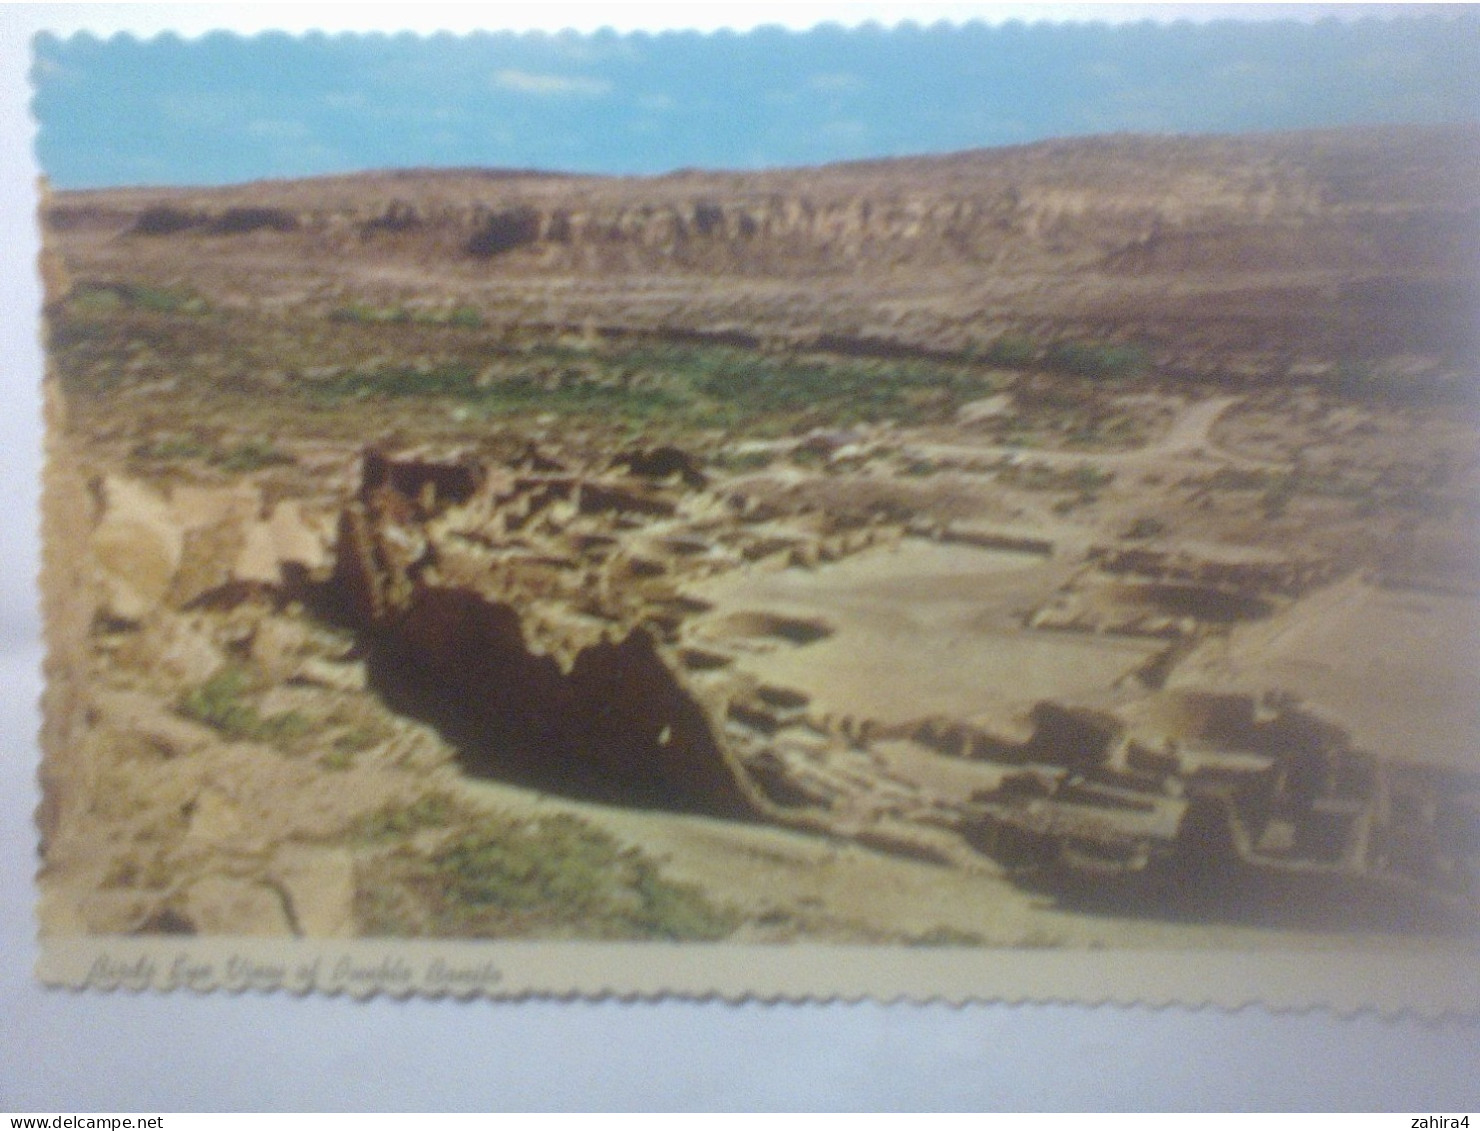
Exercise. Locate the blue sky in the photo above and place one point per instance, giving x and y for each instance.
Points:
(222, 108)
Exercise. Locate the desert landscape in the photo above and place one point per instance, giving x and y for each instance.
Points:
(1070, 545)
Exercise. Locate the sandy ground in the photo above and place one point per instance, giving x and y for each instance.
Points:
(1399, 669)
(924, 629)
(832, 890)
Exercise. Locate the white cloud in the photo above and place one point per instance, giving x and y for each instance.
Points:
(529, 82)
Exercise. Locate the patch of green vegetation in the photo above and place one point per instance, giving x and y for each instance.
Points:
(456, 380)
(684, 385)
(390, 822)
(561, 871)
(360, 737)
(362, 314)
(222, 702)
(99, 298)
(252, 455)
(1096, 360)
(108, 320)
(826, 392)
(551, 877)
(1085, 478)
(169, 449)
(1011, 351)
(249, 455)
(353, 740)
(337, 759)
(93, 298)
(562, 394)
(463, 317)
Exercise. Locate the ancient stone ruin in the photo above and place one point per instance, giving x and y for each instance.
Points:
(543, 620)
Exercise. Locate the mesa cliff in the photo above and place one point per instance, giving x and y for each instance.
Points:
(1236, 255)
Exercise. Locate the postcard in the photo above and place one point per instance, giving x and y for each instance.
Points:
(983, 512)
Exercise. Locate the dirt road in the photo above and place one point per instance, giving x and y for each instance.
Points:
(1188, 438)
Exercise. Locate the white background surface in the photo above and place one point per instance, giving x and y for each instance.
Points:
(61, 1051)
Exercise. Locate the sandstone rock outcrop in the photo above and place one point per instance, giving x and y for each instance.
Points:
(137, 546)
(146, 547)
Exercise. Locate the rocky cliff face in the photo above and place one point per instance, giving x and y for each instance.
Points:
(1322, 245)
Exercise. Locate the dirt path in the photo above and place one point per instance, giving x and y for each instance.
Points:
(1190, 431)
(1189, 437)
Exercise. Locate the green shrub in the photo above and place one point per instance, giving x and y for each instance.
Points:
(165, 301)
(253, 455)
(349, 743)
(170, 448)
(1086, 359)
(1011, 351)
(218, 702)
(430, 811)
(337, 758)
(221, 702)
(250, 455)
(465, 318)
(553, 876)
(686, 386)
(95, 297)
(363, 314)
(559, 869)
